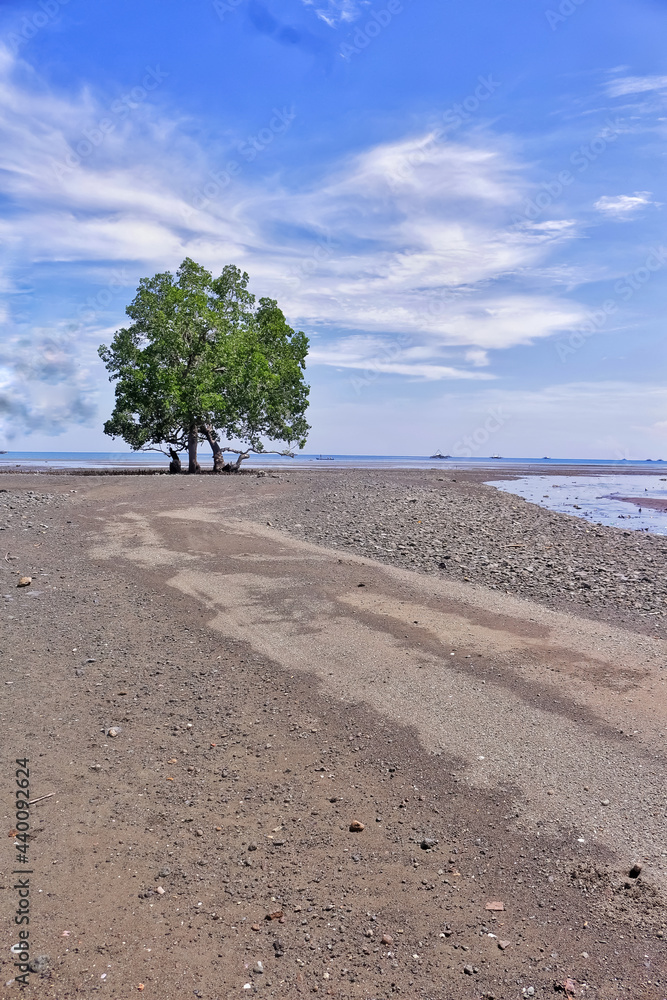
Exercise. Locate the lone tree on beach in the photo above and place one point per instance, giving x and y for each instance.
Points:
(202, 361)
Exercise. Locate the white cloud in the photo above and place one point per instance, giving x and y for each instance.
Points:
(407, 238)
(636, 85)
(45, 383)
(381, 355)
(335, 12)
(624, 206)
(477, 357)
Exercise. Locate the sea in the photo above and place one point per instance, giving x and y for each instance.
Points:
(593, 497)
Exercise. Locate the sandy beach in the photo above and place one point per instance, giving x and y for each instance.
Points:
(349, 734)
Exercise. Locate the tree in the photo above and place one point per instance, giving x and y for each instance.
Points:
(202, 361)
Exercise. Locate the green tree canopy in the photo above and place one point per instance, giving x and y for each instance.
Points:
(203, 361)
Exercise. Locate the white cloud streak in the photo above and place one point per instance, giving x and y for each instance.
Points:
(336, 12)
(624, 206)
(380, 355)
(407, 238)
(626, 85)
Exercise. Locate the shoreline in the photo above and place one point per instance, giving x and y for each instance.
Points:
(654, 503)
(475, 473)
(351, 464)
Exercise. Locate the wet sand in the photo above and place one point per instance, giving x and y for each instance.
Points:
(653, 504)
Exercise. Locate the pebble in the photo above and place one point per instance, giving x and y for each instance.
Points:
(386, 939)
(428, 843)
(479, 533)
(24, 581)
(635, 871)
(114, 731)
(356, 826)
(39, 963)
(468, 969)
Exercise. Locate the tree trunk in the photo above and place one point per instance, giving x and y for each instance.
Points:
(193, 442)
(175, 465)
(218, 456)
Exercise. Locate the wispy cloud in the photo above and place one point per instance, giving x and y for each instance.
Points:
(335, 12)
(624, 206)
(427, 251)
(381, 355)
(622, 86)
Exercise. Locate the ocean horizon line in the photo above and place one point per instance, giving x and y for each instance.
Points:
(156, 459)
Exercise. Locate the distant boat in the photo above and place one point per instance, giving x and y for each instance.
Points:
(324, 458)
(545, 458)
(439, 454)
(495, 456)
(3, 452)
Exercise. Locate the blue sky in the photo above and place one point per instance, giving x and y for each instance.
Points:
(463, 206)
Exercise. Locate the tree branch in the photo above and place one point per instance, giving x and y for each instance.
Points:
(256, 451)
(154, 447)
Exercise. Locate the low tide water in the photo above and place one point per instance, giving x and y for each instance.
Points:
(597, 498)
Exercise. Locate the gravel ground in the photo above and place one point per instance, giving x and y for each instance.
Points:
(466, 530)
(26, 509)
(210, 847)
